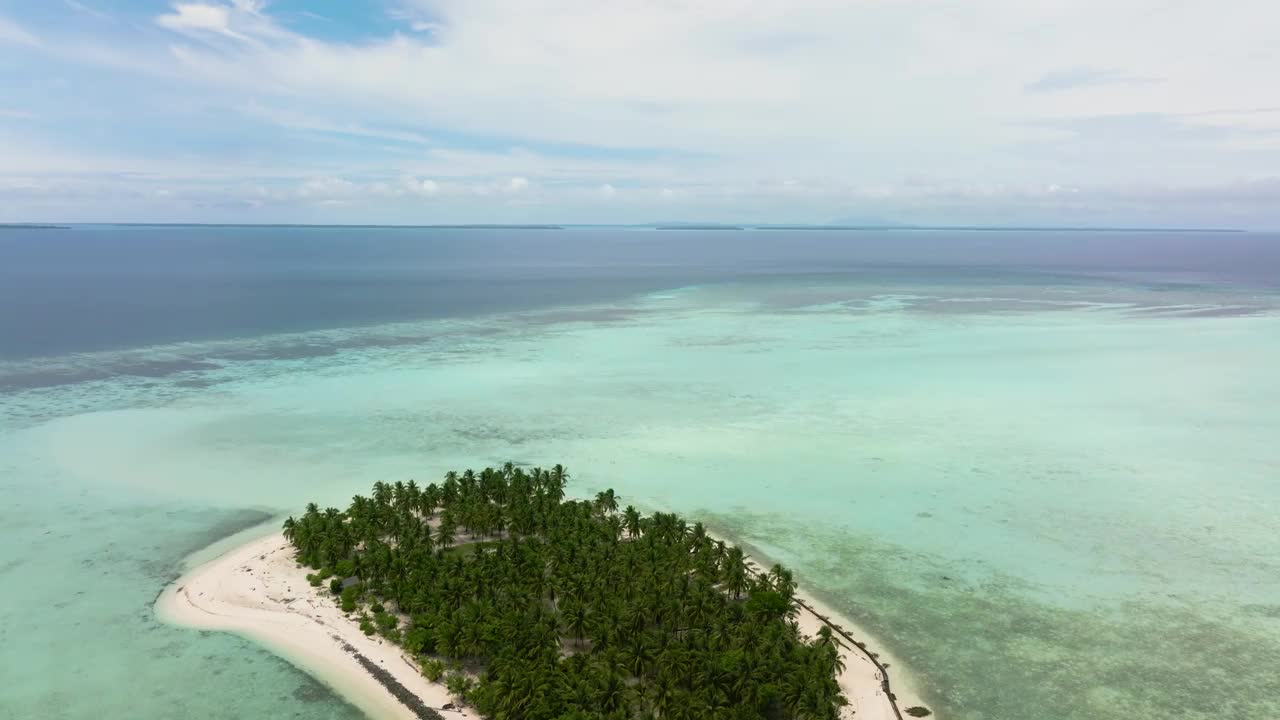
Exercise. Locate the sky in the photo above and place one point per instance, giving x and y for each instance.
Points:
(995, 112)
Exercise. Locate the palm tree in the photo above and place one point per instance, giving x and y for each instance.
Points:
(445, 535)
(611, 693)
(559, 479)
(607, 501)
(657, 631)
(640, 657)
(836, 660)
(458, 685)
(632, 521)
(783, 583)
(735, 571)
(576, 615)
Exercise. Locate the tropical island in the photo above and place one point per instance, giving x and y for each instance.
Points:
(508, 600)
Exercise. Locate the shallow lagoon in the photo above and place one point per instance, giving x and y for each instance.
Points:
(1054, 497)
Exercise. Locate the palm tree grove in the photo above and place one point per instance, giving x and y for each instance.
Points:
(529, 606)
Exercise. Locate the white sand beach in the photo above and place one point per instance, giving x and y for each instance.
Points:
(861, 680)
(258, 591)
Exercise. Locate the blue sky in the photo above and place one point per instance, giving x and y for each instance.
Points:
(1117, 112)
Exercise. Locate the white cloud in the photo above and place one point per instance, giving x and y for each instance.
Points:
(401, 199)
(1257, 119)
(519, 162)
(415, 19)
(13, 33)
(83, 8)
(327, 188)
(1074, 78)
(299, 121)
(242, 20)
(423, 188)
(806, 74)
(198, 16)
(405, 187)
(812, 103)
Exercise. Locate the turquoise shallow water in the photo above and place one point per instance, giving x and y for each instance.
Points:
(1055, 499)
(79, 638)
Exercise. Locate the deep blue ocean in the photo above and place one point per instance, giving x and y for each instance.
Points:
(108, 287)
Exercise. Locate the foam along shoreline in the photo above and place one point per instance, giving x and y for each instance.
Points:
(257, 590)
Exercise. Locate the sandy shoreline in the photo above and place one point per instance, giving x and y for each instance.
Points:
(256, 590)
(865, 679)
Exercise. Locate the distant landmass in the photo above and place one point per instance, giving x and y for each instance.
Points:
(848, 227)
(1001, 228)
(491, 227)
(880, 224)
(827, 227)
(475, 226)
(698, 226)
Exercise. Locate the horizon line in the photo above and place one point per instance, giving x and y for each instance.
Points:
(668, 226)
